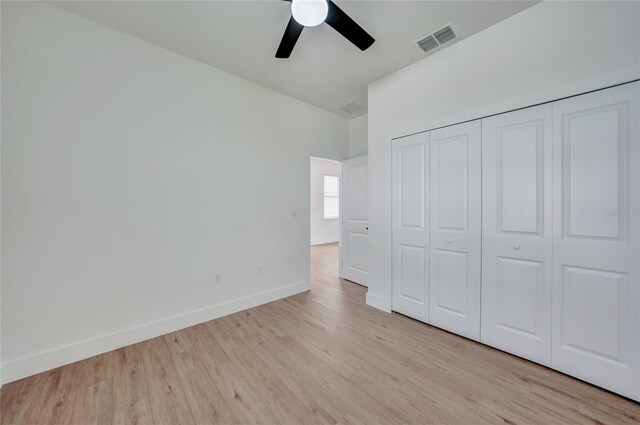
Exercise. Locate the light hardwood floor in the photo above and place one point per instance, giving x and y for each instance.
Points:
(322, 357)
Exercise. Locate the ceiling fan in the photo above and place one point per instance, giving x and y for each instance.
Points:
(311, 13)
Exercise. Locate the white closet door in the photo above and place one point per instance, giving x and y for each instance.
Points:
(596, 213)
(454, 249)
(411, 226)
(516, 232)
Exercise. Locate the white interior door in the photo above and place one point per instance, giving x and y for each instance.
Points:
(516, 232)
(355, 220)
(411, 226)
(596, 213)
(455, 236)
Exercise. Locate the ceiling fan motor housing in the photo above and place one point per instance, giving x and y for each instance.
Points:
(309, 13)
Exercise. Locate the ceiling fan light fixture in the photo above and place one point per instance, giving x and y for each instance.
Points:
(309, 13)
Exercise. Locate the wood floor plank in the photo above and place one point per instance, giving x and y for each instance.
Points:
(565, 405)
(204, 397)
(321, 401)
(360, 403)
(346, 341)
(306, 364)
(442, 410)
(168, 401)
(245, 404)
(325, 345)
(319, 357)
(18, 399)
(59, 395)
(517, 409)
(131, 401)
(342, 337)
(351, 419)
(283, 402)
(95, 402)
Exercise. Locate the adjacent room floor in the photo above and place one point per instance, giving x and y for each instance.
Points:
(317, 357)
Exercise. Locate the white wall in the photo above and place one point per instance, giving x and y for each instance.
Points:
(358, 131)
(322, 231)
(550, 50)
(131, 174)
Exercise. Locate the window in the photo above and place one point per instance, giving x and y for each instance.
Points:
(331, 197)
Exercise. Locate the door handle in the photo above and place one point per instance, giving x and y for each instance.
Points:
(516, 247)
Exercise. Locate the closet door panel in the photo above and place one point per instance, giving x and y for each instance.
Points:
(411, 226)
(454, 251)
(596, 302)
(516, 247)
(518, 298)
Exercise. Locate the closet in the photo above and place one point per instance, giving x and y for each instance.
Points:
(522, 231)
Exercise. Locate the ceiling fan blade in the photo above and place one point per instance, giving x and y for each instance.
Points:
(346, 26)
(289, 38)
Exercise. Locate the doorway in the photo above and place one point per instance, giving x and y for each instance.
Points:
(338, 218)
(325, 179)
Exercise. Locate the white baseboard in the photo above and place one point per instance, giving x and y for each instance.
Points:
(378, 302)
(60, 356)
(324, 241)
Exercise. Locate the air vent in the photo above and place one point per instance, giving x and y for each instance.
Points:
(427, 43)
(436, 39)
(350, 107)
(444, 35)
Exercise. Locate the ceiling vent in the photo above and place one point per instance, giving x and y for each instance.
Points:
(436, 39)
(427, 43)
(444, 35)
(350, 107)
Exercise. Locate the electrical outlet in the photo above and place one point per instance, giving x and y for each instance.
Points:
(217, 278)
(295, 213)
(259, 269)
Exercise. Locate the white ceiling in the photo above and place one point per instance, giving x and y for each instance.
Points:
(325, 69)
